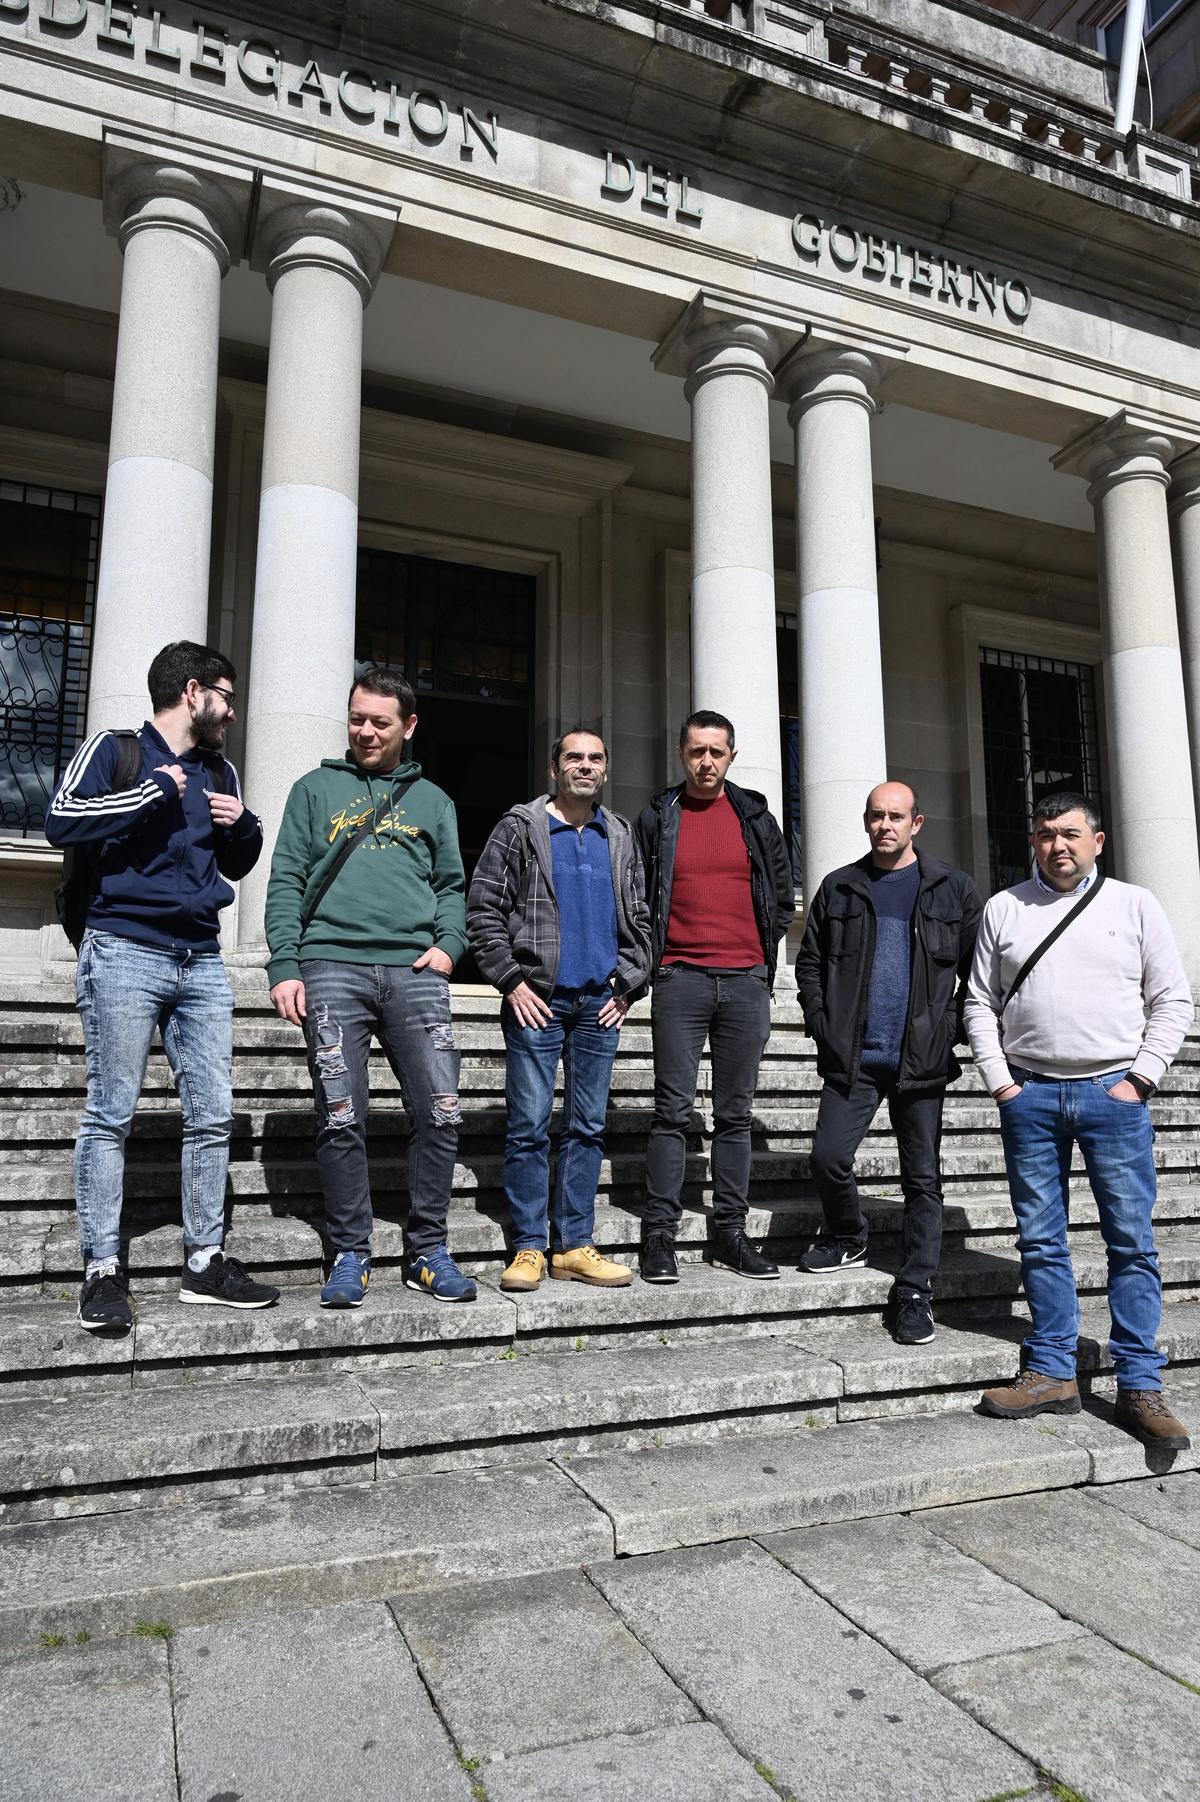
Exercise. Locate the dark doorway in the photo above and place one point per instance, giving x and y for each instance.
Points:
(464, 637)
(1039, 734)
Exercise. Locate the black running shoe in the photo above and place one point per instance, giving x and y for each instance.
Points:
(225, 1283)
(733, 1251)
(657, 1262)
(912, 1320)
(104, 1300)
(833, 1254)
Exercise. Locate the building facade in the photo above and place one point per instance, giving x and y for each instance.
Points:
(833, 366)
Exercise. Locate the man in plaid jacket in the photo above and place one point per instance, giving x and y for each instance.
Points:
(556, 918)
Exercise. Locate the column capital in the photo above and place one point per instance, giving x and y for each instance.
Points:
(1127, 447)
(715, 336)
(302, 224)
(1184, 492)
(818, 371)
(148, 183)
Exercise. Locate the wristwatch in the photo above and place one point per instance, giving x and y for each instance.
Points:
(1143, 1085)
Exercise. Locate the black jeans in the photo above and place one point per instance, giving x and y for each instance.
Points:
(842, 1121)
(733, 1011)
(409, 1012)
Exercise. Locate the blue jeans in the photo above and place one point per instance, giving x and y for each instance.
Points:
(124, 990)
(1039, 1127)
(587, 1050)
(408, 1011)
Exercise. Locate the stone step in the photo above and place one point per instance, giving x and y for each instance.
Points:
(43, 1175)
(93, 1454)
(691, 1495)
(211, 1560)
(67, 1454)
(476, 1028)
(881, 1378)
(47, 1125)
(41, 1343)
(43, 1245)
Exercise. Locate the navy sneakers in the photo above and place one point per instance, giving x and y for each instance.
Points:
(347, 1285)
(436, 1274)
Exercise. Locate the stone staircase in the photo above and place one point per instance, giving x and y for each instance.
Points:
(412, 1442)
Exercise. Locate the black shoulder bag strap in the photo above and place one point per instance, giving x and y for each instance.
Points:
(326, 883)
(1039, 951)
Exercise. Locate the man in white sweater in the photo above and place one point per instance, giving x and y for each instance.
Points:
(1072, 1050)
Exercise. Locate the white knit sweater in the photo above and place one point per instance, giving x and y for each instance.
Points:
(1110, 994)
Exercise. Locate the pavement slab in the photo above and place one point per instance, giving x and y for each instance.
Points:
(571, 1669)
(1094, 1564)
(1097, 1720)
(685, 1495)
(66, 1442)
(324, 1702)
(90, 1721)
(796, 1688)
(670, 1764)
(915, 1593)
(210, 1560)
(1170, 1505)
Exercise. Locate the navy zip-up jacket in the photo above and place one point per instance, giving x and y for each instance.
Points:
(165, 868)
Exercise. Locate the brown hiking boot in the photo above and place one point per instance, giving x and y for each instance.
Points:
(1031, 1393)
(1145, 1414)
(525, 1272)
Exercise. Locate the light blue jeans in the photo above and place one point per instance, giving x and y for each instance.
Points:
(124, 990)
(1039, 1127)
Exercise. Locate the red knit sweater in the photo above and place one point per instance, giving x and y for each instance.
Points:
(712, 909)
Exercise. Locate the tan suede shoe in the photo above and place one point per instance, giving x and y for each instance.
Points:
(585, 1265)
(1031, 1393)
(525, 1272)
(1144, 1413)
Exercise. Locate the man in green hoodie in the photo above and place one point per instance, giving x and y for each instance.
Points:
(366, 918)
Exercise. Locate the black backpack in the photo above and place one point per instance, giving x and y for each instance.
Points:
(81, 863)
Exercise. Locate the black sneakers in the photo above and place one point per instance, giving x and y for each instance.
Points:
(657, 1262)
(104, 1300)
(225, 1283)
(825, 1255)
(911, 1320)
(733, 1251)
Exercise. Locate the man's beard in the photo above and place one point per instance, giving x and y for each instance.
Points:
(208, 728)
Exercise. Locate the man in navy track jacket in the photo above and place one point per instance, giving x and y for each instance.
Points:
(162, 854)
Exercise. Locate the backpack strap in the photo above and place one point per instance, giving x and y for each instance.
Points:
(128, 772)
(217, 769)
(1039, 951)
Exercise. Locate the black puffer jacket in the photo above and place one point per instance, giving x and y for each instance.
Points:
(771, 884)
(833, 971)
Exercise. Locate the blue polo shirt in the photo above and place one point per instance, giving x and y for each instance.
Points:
(587, 907)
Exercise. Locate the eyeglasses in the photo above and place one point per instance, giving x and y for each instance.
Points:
(226, 694)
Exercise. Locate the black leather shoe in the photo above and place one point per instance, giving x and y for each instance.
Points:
(657, 1261)
(735, 1252)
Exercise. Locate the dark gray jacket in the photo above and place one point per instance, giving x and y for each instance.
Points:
(512, 910)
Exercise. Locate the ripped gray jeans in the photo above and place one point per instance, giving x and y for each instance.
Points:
(408, 1011)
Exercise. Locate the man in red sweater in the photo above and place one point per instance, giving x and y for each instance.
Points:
(721, 896)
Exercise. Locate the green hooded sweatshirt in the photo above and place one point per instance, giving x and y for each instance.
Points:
(399, 892)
